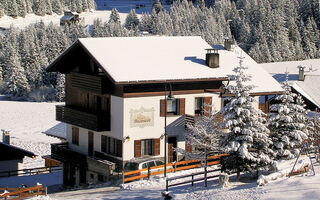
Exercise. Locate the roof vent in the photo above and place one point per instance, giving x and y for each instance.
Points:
(227, 44)
(212, 58)
(301, 73)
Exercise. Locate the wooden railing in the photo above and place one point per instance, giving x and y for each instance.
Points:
(92, 83)
(171, 167)
(22, 193)
(28, 172)
(93, 121)
(61, 152)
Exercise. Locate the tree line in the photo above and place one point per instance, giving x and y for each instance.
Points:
(268, 30)
(21, 8)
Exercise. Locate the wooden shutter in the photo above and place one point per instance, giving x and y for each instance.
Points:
(119, 148)
(137, 148)
(182, 106)
(103, 143)
(207, 105)
(188, 147)
(156, 143)
(75, 135)
(162, 107)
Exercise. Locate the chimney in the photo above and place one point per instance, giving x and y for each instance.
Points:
(212, 58)
(5, 136)
(227, 44)
(301, 73)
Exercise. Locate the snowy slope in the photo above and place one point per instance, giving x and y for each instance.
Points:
(26, 121)
(88, 17)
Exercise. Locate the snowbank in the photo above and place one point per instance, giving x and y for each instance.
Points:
(283, 169)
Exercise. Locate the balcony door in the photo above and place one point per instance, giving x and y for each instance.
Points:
(90, 143)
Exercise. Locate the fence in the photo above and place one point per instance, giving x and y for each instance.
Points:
(40, 170)
(21, 193)
(171, 167)
(205, 178)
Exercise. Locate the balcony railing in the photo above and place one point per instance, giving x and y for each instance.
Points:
(61, 152)
(92, 83)
(99, 121)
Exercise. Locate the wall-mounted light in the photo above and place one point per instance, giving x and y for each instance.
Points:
(127, 138)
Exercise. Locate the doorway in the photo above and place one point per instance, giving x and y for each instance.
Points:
(172, 143)
(90, 143)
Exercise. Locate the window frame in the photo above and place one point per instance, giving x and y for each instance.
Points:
(201, 110)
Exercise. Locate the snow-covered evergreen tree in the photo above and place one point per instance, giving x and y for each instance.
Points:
(114, 16)
(248, 141)
(132, 20)
(12, 8)
(60, 87)
(15, 82)
(157, 6)
(288, 124)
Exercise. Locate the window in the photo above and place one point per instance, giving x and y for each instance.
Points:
(75, 135)
(172, 106)
(198, 110)
(151, 164)
(111, 146)
(147, 147)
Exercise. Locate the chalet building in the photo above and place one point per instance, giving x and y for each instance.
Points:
(304, 77)
(115, 98)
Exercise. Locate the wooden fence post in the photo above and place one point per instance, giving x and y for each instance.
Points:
(167, 186)
(192, 181)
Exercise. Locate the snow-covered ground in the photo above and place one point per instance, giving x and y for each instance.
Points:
(26, 121)
(304, 186)
(88, 17)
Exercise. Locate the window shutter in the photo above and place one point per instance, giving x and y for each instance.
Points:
(103, 143)
(137, 148)
(188, 147)
(156, 146)
(162, 107)
(207, 105)
(119, 148)
(182, 106)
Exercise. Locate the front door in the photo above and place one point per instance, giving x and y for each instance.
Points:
(90, 143)
(172, 155)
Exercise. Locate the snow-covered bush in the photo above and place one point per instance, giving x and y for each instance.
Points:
(288, 124)
(203, 135)
(248, 141)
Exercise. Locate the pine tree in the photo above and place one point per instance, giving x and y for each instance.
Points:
(15, 80)
(132, 20)
(157, 6)
(57, 7)
(39, 7)
(60, 87)
(22, 9)
(248, 141)
(287, 124)
(114, 16)
(12, 8)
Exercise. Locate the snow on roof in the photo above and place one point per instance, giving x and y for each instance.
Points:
(307, 88)
(66, 17)
(312, 67)
(159, 58)
(59, 131)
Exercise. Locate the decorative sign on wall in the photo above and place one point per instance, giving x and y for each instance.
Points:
(141, 117)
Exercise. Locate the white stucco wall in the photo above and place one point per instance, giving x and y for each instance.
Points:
(175, 124)
(121, 109)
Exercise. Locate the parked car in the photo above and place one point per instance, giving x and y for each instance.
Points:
(138, 164)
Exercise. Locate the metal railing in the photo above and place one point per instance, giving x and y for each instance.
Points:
(28, 172)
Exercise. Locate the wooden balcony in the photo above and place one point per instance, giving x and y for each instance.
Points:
(98, 121)
(96, 84)
(61, 152)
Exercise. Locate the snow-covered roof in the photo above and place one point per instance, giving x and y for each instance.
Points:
(66, 17)
(309, 88)
(162, 58)
(59, 131)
